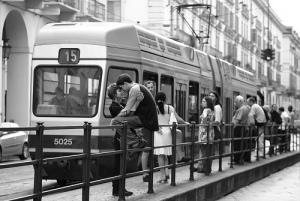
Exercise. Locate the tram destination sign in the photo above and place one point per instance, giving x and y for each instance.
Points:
(68, 56)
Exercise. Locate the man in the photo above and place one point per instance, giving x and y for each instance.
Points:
(291, 114)
(144, 115)
(150, 85)
(283, 130)
(240, 120)
(276, 121)
(257, 117)
(115, 109)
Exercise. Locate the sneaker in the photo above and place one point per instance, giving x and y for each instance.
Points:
(146, 178)
(126, 193)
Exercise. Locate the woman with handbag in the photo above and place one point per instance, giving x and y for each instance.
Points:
(206, 136)
(163, 137)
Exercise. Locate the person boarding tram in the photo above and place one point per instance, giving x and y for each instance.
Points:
(145, 115)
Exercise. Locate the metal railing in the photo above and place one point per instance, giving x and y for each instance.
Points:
(290, 136)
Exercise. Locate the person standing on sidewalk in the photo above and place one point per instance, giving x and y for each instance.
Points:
(257, 117)
(115, 108)
(206, 136)
(240, 120)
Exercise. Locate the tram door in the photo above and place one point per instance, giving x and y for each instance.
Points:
(181, 91)
(180, 107)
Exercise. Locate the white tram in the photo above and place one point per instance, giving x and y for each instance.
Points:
(79, 60)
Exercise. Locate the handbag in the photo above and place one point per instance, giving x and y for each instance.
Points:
(172, 117)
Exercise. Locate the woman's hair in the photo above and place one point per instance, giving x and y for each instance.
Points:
(112, 91)
(217, 101)
(160, 99)
(209, 103)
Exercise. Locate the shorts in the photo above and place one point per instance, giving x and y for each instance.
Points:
(148, 136)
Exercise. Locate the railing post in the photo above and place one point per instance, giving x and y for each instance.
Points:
(221, 147)
(207, 161)
(250, 141)
(173, 168)
(193, 130)
(123, 162)
(151, 165)
(264, 140)
(242, 150)
(37, 189)
(87, 128)
(232, 145)
(257, 144)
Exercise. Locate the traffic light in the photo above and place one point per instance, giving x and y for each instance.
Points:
(263, 54)
(272, 54)
(268, 54)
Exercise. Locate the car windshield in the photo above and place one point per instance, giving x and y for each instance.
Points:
(66, 91)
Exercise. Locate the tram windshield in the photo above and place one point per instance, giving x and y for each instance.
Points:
(66, 91)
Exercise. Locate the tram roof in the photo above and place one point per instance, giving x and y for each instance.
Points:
(94, 33)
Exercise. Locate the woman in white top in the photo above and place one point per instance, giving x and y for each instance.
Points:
(218, 112)
(163, 137)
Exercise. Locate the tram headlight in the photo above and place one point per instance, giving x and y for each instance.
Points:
(79, 162)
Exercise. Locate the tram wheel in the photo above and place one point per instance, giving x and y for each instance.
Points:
(1, 155)
(62, 182)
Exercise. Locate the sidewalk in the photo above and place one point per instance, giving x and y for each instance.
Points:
(139, 188)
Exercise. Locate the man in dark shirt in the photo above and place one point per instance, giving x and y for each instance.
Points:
(276, 122)
(115, 109)
(144, 113)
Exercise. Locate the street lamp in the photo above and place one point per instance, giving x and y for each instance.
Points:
(6, 48)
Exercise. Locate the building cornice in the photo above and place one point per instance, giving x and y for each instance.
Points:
(273, 16)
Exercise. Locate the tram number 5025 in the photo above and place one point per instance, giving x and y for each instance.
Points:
(68, 56)
(62, 141)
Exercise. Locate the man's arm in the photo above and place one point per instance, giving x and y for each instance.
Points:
(139, 99)
(132, 97)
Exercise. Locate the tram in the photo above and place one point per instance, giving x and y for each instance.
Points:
(74, 62)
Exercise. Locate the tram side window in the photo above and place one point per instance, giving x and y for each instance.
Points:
(193, 102)
(113, 74)
(150, 81)
(66, 91)
(167, 86)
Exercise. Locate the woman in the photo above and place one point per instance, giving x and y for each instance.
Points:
(163, 137)
(206, 135)
(218, 112)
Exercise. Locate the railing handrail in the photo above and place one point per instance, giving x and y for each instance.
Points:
(86, 156)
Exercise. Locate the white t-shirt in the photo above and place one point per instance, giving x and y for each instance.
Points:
(218, 113)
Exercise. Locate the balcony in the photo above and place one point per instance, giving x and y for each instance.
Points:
(245, 12)
(213, 51)
(95, 12)
(29, 4)
(64, 9)
(281, 89)
(261, 81)
(291, 91)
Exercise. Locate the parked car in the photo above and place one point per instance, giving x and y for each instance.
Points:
(13, 143)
